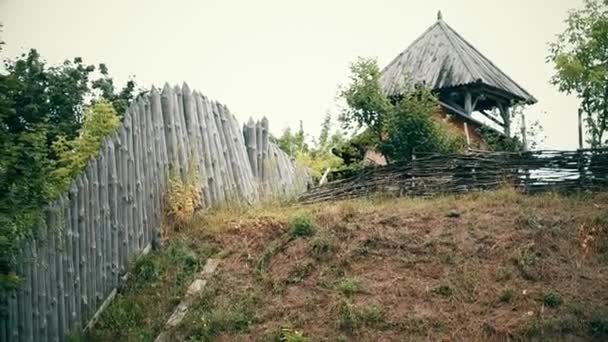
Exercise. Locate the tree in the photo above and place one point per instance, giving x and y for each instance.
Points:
(400, 126)
(119, 100)
(40, 105)
(293, 143)
(580, 57)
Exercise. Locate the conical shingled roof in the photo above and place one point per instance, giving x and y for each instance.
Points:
(441, 58)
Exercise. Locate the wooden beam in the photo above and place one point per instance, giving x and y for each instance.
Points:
(456, 106)
(524, 138)
(468, 103)
(466, 133)
(489, 116)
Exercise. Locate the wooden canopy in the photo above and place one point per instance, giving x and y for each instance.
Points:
(462, 77)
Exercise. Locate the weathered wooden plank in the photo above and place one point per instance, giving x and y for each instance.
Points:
(53, 220)
(168, 106)
(214, 151)
(113, 200)
(77, 289)
(206, 150)
(104, 226)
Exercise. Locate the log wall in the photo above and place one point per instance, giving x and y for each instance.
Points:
(112, 211)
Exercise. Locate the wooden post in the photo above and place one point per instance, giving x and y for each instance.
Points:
(466, 133)
(468, 103)
(506, 117)
(524, 133)
(580, 128)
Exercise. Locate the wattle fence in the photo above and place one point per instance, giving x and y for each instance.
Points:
(434, 174)
(113, 210)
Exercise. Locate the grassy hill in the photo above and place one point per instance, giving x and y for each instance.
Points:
(486, 266)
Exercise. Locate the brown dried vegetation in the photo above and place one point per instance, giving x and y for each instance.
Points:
(403, 269)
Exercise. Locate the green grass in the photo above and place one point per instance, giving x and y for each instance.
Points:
(506, 295)
(156, 285)
(349, 286)
(301, 226)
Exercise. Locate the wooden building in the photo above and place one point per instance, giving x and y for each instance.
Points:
(464, 80)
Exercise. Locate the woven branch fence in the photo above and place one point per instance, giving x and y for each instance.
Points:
(113, 210)
(427, 175)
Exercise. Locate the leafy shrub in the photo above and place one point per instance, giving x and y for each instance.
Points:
(301, 226)
(401, 125)
(349, 286)
(552, 299)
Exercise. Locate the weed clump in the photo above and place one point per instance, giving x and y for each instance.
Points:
(291, 335)
(321, 248)
(506, 295)
(349, 286)
(182, 198)
(552, 299)
(444, 290)
(301, 226)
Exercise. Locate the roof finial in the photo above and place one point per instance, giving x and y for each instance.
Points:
(439, 15)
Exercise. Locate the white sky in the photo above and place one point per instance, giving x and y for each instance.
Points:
(285, 59)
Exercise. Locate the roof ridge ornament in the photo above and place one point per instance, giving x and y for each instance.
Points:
(439, 15)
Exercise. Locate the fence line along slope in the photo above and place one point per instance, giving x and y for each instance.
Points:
(112, 211)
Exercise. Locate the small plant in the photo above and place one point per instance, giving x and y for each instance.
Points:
(349, 286)
(347, 320)
(598, 325)
(444, 290)
(291, 335)
(147, 269)
(506, 295)
(552, 299)
(321, 248)
(301, 226)
(183, 196)
(371, 315)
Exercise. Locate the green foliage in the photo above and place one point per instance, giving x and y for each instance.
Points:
(318, 157)
(38, 105)
(301, 226)
(552, 299)
(349, 286)
(579, 57)
(506, 295)
(444, 290)
(293, 143)
(291, 335)
(367, 105)
(351, 317)
(100, 120)
(399, 127)
(495, 141)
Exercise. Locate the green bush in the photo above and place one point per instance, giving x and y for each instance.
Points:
(552, 299)
(301, 226)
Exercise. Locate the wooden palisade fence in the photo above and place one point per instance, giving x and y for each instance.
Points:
(427, 175)
(112, 211)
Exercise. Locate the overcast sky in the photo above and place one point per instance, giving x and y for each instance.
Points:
(285, 59)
